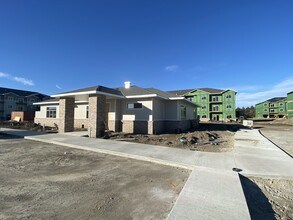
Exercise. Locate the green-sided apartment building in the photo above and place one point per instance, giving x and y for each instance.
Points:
(290, 104)
(215, 104)
(278, 107)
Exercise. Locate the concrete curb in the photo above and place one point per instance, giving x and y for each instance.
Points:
(274, 143)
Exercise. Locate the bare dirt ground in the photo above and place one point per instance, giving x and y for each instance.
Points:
(43, 181)
(209, 137)
(268, 198)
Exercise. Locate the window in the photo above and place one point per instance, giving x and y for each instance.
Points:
(203, 98)
(20, 100)
(229, 96)
(51, 112)
(203, 107)
(272, 105)
(204, 116)
(134, 106)
(9, 106)
(265, 110)
(229, 116)
(272, 110)
(215, 99)
(189, 98)
(229, 106)
(265, 104)
(281, 109)
(87, 112)
(10, 98)
(20, 108)
(182, 112)
(281, 104)
(215, 108)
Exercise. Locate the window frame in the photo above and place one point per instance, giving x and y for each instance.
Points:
(50, 112)
(134, 108)
(183, 117)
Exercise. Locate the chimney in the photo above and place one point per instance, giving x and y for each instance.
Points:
(127, 84)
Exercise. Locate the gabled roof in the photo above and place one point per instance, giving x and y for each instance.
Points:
(289, 92)
(162, 93)
(208, 90)
(180, 92)
(91, 90)
(211, 90)
(121, 92)
(134, 91)
(22, 93)
(276, 99)
(138, 92)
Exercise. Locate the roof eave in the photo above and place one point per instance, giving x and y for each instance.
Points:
(92, 92)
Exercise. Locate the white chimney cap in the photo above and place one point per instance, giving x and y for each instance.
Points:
(127, 84)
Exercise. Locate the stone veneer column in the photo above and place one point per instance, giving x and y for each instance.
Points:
(66, 114)
(97, 115)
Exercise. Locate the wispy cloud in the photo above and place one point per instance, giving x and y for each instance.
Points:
(172, 68)
(58, 87)
(4, 75)
(248, 98)
(24, 81)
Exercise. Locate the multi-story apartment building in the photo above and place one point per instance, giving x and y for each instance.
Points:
(272, 108)
(215, 104)
(17, 100)
(290, 104)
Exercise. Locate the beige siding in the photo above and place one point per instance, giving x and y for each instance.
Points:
(112, 106)
(43, 111)
(80, 111)
(158, 109)
(144, 114)
(171, 110)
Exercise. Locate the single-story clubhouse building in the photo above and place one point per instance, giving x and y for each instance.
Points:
(130, 109)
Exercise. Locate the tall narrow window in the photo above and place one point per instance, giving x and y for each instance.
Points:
(182, 112)
(87, 111)
(51, 112)
(215, 99)
(216, 108)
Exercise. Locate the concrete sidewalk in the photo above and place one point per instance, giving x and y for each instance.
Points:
(213, 190)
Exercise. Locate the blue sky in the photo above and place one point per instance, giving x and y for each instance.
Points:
(53, 46)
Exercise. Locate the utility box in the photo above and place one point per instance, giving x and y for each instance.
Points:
(23, 116)
(248, 123)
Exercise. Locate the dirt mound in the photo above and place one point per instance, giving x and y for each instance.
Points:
(209, 141)
(283, 121)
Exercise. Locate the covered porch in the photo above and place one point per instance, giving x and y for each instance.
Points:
(98, 99)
